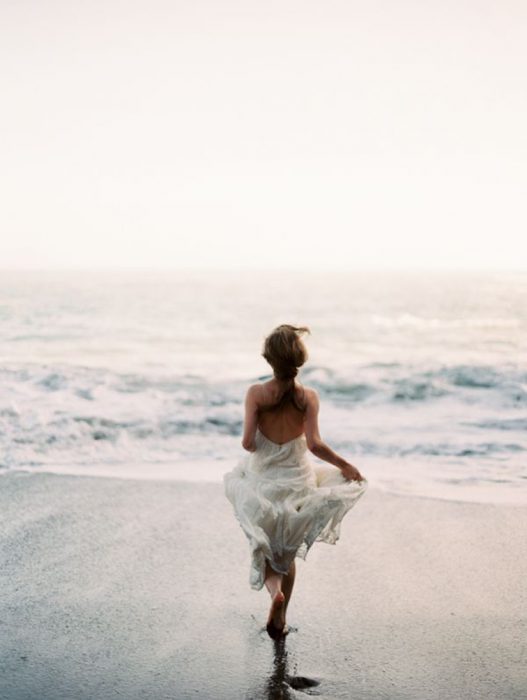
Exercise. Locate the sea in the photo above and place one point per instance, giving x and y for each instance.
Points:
(141, 374)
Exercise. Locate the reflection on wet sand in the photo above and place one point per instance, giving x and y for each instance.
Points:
(280, 683)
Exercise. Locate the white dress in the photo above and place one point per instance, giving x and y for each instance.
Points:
(284, 503)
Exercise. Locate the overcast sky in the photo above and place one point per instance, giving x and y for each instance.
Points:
(268, 134)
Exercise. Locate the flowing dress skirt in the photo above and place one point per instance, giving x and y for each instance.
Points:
(284, 503)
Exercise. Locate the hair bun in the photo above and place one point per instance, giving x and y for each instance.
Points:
(284, 350)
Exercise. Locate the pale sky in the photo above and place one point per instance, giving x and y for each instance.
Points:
(263, 134)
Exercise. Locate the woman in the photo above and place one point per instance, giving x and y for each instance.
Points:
(282, 501)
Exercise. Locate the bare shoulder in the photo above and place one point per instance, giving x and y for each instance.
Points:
(253, 388)
(311, 396)
(254, 393)
(262, 392)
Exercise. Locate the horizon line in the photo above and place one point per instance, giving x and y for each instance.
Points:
(251, 269)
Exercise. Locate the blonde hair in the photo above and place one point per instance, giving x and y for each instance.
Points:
(285, 351)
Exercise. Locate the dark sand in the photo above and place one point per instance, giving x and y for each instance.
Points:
(126, 589)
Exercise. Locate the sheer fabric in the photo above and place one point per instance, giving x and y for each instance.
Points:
(284, 503)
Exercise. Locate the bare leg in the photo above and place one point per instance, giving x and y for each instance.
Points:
(276, 619)
(273, 580)
(288, 583)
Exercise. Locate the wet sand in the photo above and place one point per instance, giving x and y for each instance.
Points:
(126, 589)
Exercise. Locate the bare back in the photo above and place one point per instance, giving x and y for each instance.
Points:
(287, 423)
(284, 424)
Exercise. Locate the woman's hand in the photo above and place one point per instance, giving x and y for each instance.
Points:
(351, 473)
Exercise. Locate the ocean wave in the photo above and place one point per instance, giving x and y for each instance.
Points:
(416, 390)
(53, 381)
(483, 449)
(392, 382)
(473, 377)
(336, 386)
(519, 424)
(59, 413)
(386, 381)
(387, 449)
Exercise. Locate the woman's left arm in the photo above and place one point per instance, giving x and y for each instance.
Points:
(251, 419)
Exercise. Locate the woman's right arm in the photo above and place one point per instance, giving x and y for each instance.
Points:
(318, 447)
(250, 421)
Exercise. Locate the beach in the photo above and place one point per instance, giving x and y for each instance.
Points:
(117, 588)
(260, 239)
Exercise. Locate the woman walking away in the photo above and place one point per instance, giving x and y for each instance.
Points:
(282, 501)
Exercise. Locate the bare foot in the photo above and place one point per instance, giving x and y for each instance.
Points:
(276, 619)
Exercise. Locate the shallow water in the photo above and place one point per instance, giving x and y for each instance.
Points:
(422, 376)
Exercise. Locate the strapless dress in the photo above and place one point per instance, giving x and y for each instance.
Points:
(284, 503)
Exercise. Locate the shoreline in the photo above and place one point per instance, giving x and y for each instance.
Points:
(171, 473)
(122, 588)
